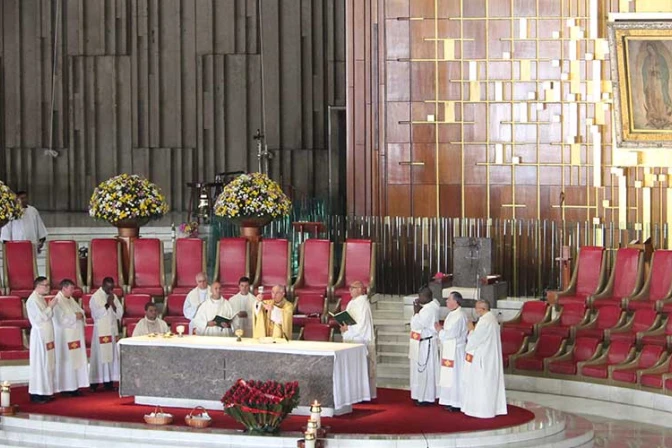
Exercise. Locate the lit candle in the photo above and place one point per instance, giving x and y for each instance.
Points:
(180, 329)
(316, 413)
(5, 402)
(309, 440)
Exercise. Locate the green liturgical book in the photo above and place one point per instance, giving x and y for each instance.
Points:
(343, 318)
(219, 319)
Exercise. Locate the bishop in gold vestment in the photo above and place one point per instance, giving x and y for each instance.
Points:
(273, 317)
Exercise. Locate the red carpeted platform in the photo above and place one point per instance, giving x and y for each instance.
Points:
(392, 412)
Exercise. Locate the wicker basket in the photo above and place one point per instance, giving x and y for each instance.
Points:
(165, 419)
(194, 422)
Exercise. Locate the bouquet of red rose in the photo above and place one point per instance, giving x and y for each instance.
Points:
(261, 405)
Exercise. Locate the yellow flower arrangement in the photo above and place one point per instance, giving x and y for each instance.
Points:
(10, 207)
(127, 197)
(252, 195)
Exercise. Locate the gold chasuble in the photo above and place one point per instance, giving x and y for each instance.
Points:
(276, 323)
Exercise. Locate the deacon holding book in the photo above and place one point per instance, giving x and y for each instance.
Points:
(72, 370)
(361, 331)
(273, 318)
(194, 299)
(484, 395)
(424, 349)
(214, 317)
(42, 356)
(453, 337)
(107, 311)
(151, 323)
(243, 305)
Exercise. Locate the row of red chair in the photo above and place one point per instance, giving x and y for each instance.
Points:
(146, 272)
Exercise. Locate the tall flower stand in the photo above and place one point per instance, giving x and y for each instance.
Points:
(127, 231)
(250, 229)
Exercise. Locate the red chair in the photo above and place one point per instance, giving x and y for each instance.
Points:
(12, 313)
(548, 346)
(105, 261)
(129, 329)
(585, 349)
(85, 303)
(134, 307)
(233, 262)
(570, 315)
(514, 342)
(588, 278)
(63, 262)
(657, 377)
(358, 262)
(88, 337)
(617, 353)
(533, 313)
(188, 260)
(309, 308)
(13, 345)
(606, 318)
(173, 309)
(146, 274)
(341, 304)
(650, 356)
(658, 286)
(273, 265)
(316, 332)
(315, 268)
(661, 336)
(625, 280)
(642, 321)
(20, 268)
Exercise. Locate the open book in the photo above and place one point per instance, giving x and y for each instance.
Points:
(219, 319)
(343, 318)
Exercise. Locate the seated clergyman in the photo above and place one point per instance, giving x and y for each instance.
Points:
(273, 317)
(151, 323)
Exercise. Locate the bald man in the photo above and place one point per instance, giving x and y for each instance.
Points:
(204, 322)
(273, 317)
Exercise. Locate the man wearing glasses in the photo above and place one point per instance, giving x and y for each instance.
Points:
(42, 353)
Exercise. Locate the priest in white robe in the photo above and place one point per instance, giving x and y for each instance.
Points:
(194, 299)
(72, 371)
(42, 346)
(453, 337)
(151, 323)
(204, 321)
(243, 305)
(424, 349)
(107, 311)
(29, 227)
(362, 332)
(484, 395)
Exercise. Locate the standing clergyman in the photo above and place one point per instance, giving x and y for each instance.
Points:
(424, 349)
(29, 227)
(204, 322)
(243, 305)
(195, 298)
(42, 347)
(106, 311)
(453, 337)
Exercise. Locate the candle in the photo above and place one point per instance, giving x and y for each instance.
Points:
(309, 440)
(180, 329)
(312, 426)
(5, 402)
(316, 413)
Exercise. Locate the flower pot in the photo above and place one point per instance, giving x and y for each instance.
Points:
(128, 230)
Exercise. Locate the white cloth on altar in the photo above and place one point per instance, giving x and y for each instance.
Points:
(425, 366)
(104, 362)
(207, 312)
(29, 227)
(483, 383)
(42, 347)
(362, 332)
(194, 299)
(453, 338)
(245, 303)
(71, 371)
(146, 326)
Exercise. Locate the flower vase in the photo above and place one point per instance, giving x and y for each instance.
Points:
(250, 229)
(128, 230)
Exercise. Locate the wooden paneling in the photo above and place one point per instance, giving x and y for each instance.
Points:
(167, 88)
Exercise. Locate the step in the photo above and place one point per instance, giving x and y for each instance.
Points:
(391, 306)
(397, 315)
(393, 336)
(383, 346)
(391, 357)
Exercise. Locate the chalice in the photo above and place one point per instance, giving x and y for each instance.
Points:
(239, 334)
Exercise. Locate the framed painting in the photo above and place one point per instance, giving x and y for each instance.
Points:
(641, 69)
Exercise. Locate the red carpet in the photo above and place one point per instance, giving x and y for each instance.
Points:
(393, 412)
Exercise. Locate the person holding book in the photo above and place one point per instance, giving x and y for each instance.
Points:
(453, 337)
(424, 349)
(361, 331)
(151, 323)
(273, 318)
(214, 317)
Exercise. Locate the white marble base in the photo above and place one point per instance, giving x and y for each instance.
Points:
(15, 374)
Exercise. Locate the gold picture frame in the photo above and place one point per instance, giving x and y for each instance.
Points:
(641, 69)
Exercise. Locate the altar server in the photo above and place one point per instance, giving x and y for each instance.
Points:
(107, 311)
(453, 337)
(484, 395)
(424, 349)
(243, 306)
(362, 332)
(273, 318)
(72, 370)
(29, 227)
(151, 323)
(194, 299)
(42, 347)
(204, 322)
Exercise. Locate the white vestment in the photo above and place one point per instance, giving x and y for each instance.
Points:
(483, 395)
(71, 367)
(453, 339)
(104, 349)
(246, 303)
(42, 347)
(194, 299)
(146, 326)
(360, 310)
(207, 312)
(29, 227)
(424, 353)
